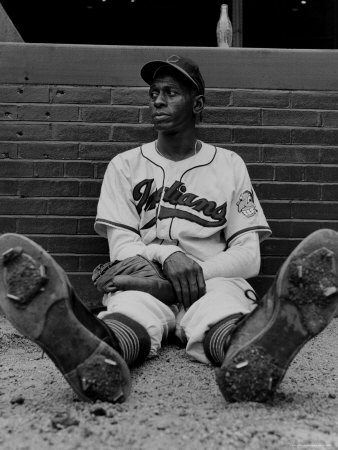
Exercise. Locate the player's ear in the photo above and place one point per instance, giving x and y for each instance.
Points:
(198, 104)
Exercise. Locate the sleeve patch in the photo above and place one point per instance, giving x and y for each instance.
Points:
(246, 204)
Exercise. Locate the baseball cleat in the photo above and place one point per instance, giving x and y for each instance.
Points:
(300, 304)
(37, 298)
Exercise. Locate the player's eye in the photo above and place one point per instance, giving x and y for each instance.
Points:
(153, 94)
(171, 92)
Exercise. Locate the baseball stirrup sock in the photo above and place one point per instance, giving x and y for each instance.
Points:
(133, 337)
(216, 339)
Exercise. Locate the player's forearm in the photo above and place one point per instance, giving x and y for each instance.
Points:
(242, 259)
(124, 244)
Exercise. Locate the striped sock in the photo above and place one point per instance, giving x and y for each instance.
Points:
(133, 337)
(216, 339)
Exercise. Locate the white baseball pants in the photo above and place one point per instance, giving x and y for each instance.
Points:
(224, 297)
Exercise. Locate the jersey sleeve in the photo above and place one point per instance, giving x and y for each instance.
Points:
(116, 207)
(245, 213)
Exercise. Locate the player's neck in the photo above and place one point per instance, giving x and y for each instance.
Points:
(177, 148)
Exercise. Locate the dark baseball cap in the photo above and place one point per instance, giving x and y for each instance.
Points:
(185, 66)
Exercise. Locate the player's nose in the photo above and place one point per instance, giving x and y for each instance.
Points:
(159, 100)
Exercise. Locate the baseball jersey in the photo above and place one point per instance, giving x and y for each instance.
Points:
(199, 204)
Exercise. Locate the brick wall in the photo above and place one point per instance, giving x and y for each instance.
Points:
(56, 140)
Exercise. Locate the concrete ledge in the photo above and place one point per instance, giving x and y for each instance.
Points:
(119, 65)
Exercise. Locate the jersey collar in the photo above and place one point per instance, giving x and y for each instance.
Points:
(203, 157)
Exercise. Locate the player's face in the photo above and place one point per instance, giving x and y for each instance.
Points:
(171, 104)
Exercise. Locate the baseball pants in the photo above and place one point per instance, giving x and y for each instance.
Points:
(224, 297)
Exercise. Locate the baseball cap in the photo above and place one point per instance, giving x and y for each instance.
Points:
(185, 66)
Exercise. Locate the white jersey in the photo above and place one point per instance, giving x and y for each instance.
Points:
(199, 204)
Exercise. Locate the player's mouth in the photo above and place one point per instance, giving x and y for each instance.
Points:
(159, 116)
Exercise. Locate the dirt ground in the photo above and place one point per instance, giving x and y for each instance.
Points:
(175, 404)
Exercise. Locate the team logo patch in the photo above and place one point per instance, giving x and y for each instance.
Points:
(246, 204)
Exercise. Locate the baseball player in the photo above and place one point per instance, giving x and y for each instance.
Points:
(184, 227)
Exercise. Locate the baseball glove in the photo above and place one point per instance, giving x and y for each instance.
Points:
(136, 273)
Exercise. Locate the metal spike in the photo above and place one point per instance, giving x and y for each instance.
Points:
(329, 291)
(42, 270)
(85, 384)
(119, 398)
(300, 271)
(13, 297)
(111, 362)
(270, 384)
(242, 364)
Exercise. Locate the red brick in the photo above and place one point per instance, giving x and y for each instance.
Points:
(100, 170)
(274, 209)
(81, 132)
(279, 246)
(8, 187)
(232, 116)
(218, 97)
(89, 262)
(291, 154)
(90, 188)
(72, 207)
(23, 94)
(262, 135)
(8, 150)
(86, 226)
(271, 264)
(82, 95)
(144, 115)
(311, 136)
(289, 173)
(7, 224)
(130, 96)
(330, 119)
(327, 174)
(249, 153)
(41, 240)
(19, 206)
(104, 151)
(330, 192)
(47, 225)
(260, 171)
(17, 131)
(79, 169)
(329, 155)
(291, 118)
(261, 98)
(281, 227)
(78, 245)
(214, 134)
(302, 228)
(48, 188)
(299, 228)
(314, 100)
(143, 133)
(69, 263)
(8, 112)
(48, 113)
(48, 150)
(288, 191)
(48, 169)
(15, 168)
(315, 210)
(110, 114)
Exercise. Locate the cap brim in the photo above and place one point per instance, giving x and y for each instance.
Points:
(149, 70)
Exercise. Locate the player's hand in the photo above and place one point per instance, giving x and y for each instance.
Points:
(186, 276)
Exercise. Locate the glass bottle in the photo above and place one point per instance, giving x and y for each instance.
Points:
(224, 28)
